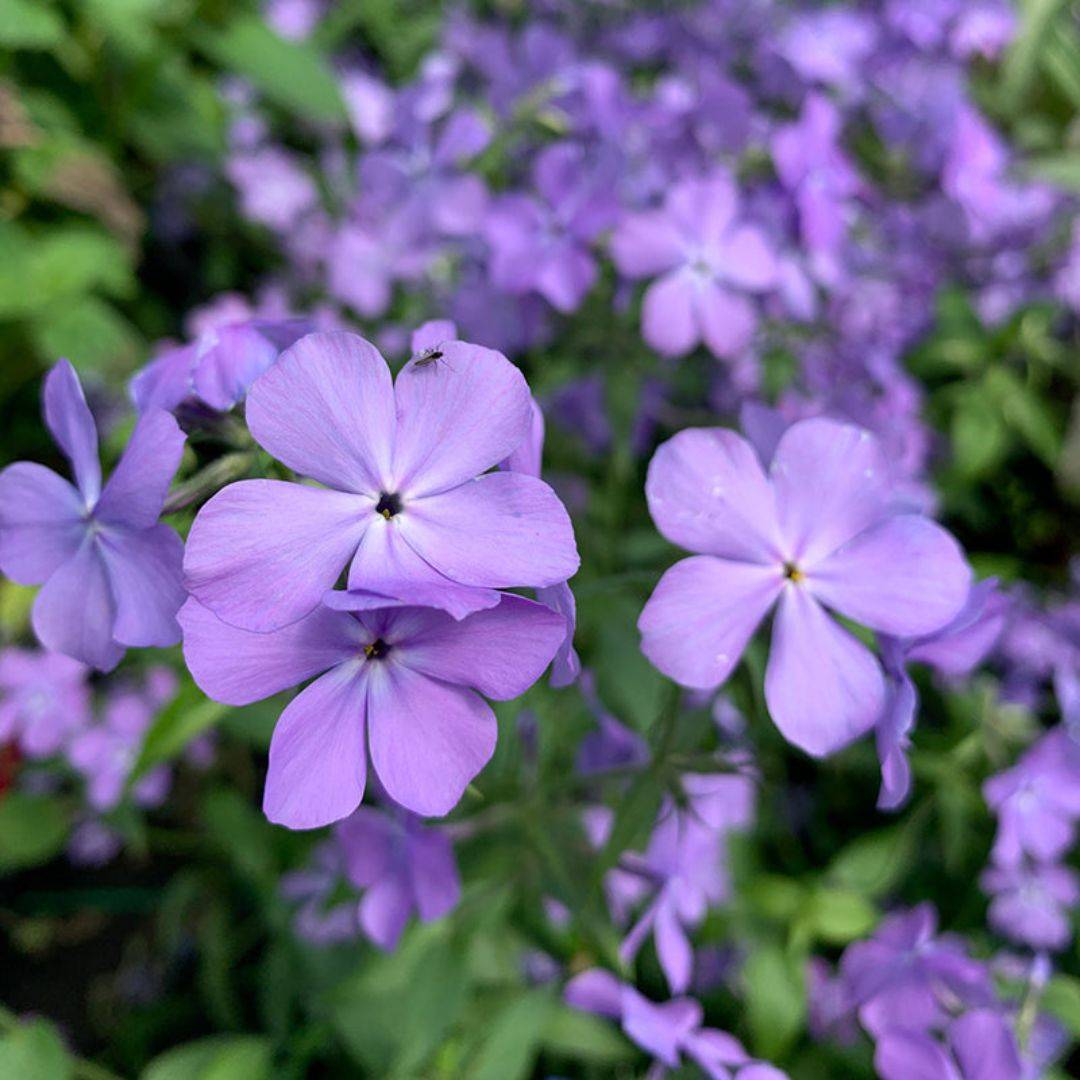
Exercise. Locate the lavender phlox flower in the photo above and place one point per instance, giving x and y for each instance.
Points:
(980, 1045)
(1033, 903)
(322, 916)
(274, 188)
(44, 700)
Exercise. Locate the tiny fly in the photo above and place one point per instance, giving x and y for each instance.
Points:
(428, 358)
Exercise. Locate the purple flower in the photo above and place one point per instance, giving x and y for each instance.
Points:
(1033, 904)
(666, 1031)
(542, 245)
(44, 700)
(706, 258)
(981, 1047)
(405, 682)
(982, 29)
(1037, 802)
(274, 189)
(218, 366)
(111, 574)
(404, 507)
(404, 867)
(820, 529)
(829, 46)
(322, 917)
(907, 976)
(106, 752)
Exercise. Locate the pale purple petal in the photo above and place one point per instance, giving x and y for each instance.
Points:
(659, 1029)
(501, 530)
(707, 493)
(326, 409)
(704, 209)
(746, 259)
(702, 613)
(528, 456)
(912, 1055)
(74, 612)
(822, 686)
(906, 576)
(433, 333)
(67, 416)
(166, 381)
(645, 245)
(145, 572)
(231, 358)
(428, 740)
(385, 910)
(566, 666)
(386, 572)
(435, 882)
(673, 948)
(42, 522)
(137, 488)
(501, 652)
(985, 1047)
(261, 553)
(596, 991)
(238, 667)
(893, 731)
(457, 416)
(565, 275)
(668, 319)
(831, 483)
(318, 765)
(727, 320)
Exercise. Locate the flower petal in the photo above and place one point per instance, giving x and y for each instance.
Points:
(702, 613)
(906, 576)
(68, 417)
(428, 740)
(261, 553)
(668, 319)
(646, 244)
(831, 482)
(457, 416)
(74, 612)
(238, 667)
(501, 652)
(566, 666)
(727, 320)
(145, 571)
(318, 765)
(166, 381)
(326, 409)
(231, 358)
(385, 910)
(501, 530)
(386, 572)
(822, 686)
(746, 258)
(41, 522)
(595, 991)
(673, 948)
(435, 882)
(708, 493)
(137, 488)
(984, 1046)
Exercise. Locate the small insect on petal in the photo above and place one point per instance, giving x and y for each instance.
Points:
(429, 358)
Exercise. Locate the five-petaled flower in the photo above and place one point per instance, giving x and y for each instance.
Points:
(408, 504)
(404, 681)
(111, 574)
(821, 529)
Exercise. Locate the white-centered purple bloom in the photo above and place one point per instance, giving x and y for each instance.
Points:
(818, 531)
(668, 1031)
(408, 505)
(44, 700)
(111, 575)
(1033, 904)
(404, 866)
(707, 261)
(404, 682)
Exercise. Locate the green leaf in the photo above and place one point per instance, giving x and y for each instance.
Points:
(90, 333)
(876, 862)
(188, 715)
(1021, 63)
(29, 24)
(293, 74)
(1026, 413)
(512, 1037)
(34, 1051)
(33, 829)
(980, 439)
(584, 1037)
(775, 1000)
(634, 818)
(220, 1057)
(838, 916)
(1060, 169)
(1062, 999)
(243, 834)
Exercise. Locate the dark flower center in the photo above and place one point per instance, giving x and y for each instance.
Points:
(376, 650)
(793, 573)
(388, 505)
